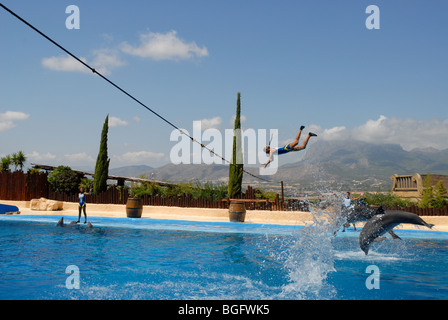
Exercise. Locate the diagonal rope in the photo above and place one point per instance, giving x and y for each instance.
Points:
(123, 91)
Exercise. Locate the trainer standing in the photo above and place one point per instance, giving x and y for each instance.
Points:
(82, 204)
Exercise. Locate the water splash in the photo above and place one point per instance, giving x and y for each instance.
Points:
(309, 255)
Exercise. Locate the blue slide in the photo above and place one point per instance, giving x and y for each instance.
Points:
(4, 208)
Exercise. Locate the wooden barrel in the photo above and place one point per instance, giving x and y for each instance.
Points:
(237, 211)
(134, 208)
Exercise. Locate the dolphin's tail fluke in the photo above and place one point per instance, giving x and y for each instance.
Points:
(424, 223)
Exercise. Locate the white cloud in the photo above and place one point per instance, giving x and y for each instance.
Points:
(374, 130)
(104, 61)
(79, 158)
(242, 119)
(212, 123)
(48, 158)
(138, 157)
(168, 46)
(65, 63)
(8, 118)
(37, 157)
(409, 133)
(115, 122)
(335, 133)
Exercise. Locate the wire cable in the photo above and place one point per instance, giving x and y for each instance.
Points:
(122, 90)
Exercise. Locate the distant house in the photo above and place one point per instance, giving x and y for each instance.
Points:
(411, 185)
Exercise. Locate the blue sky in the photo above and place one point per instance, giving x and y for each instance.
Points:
(295, 62)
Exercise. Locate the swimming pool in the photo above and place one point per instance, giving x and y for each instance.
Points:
(124, 258)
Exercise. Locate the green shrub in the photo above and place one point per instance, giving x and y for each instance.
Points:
(260, 194)
(387, 200)
(86, 183)
(193, 189)
(440, 200)
(64, 179)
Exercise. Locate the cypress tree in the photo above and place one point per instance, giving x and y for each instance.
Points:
(102, 162)
(427, 193)
(236, 167)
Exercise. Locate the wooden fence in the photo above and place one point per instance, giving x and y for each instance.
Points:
(19, 186)
(423, 211)
(115, 195)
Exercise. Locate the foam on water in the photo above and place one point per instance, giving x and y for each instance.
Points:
(373, 256)
(178, 285)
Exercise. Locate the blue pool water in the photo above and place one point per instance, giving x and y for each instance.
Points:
(165, 259)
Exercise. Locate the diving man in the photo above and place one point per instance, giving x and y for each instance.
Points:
(293, 146)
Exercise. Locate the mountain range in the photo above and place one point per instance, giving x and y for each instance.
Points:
(342, 165)
(130, 171)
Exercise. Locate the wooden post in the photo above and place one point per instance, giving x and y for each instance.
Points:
(283, 196)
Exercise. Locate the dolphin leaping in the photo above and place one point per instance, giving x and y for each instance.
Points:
(380, 224)
(361, 212)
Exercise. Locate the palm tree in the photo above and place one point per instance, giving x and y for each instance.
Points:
(5, 163)
(18, 159)
(22, 159)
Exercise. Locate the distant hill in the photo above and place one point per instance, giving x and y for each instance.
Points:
(188, 172)
(130, 171)
(337, 165)
(368, 158)
(361, 165)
